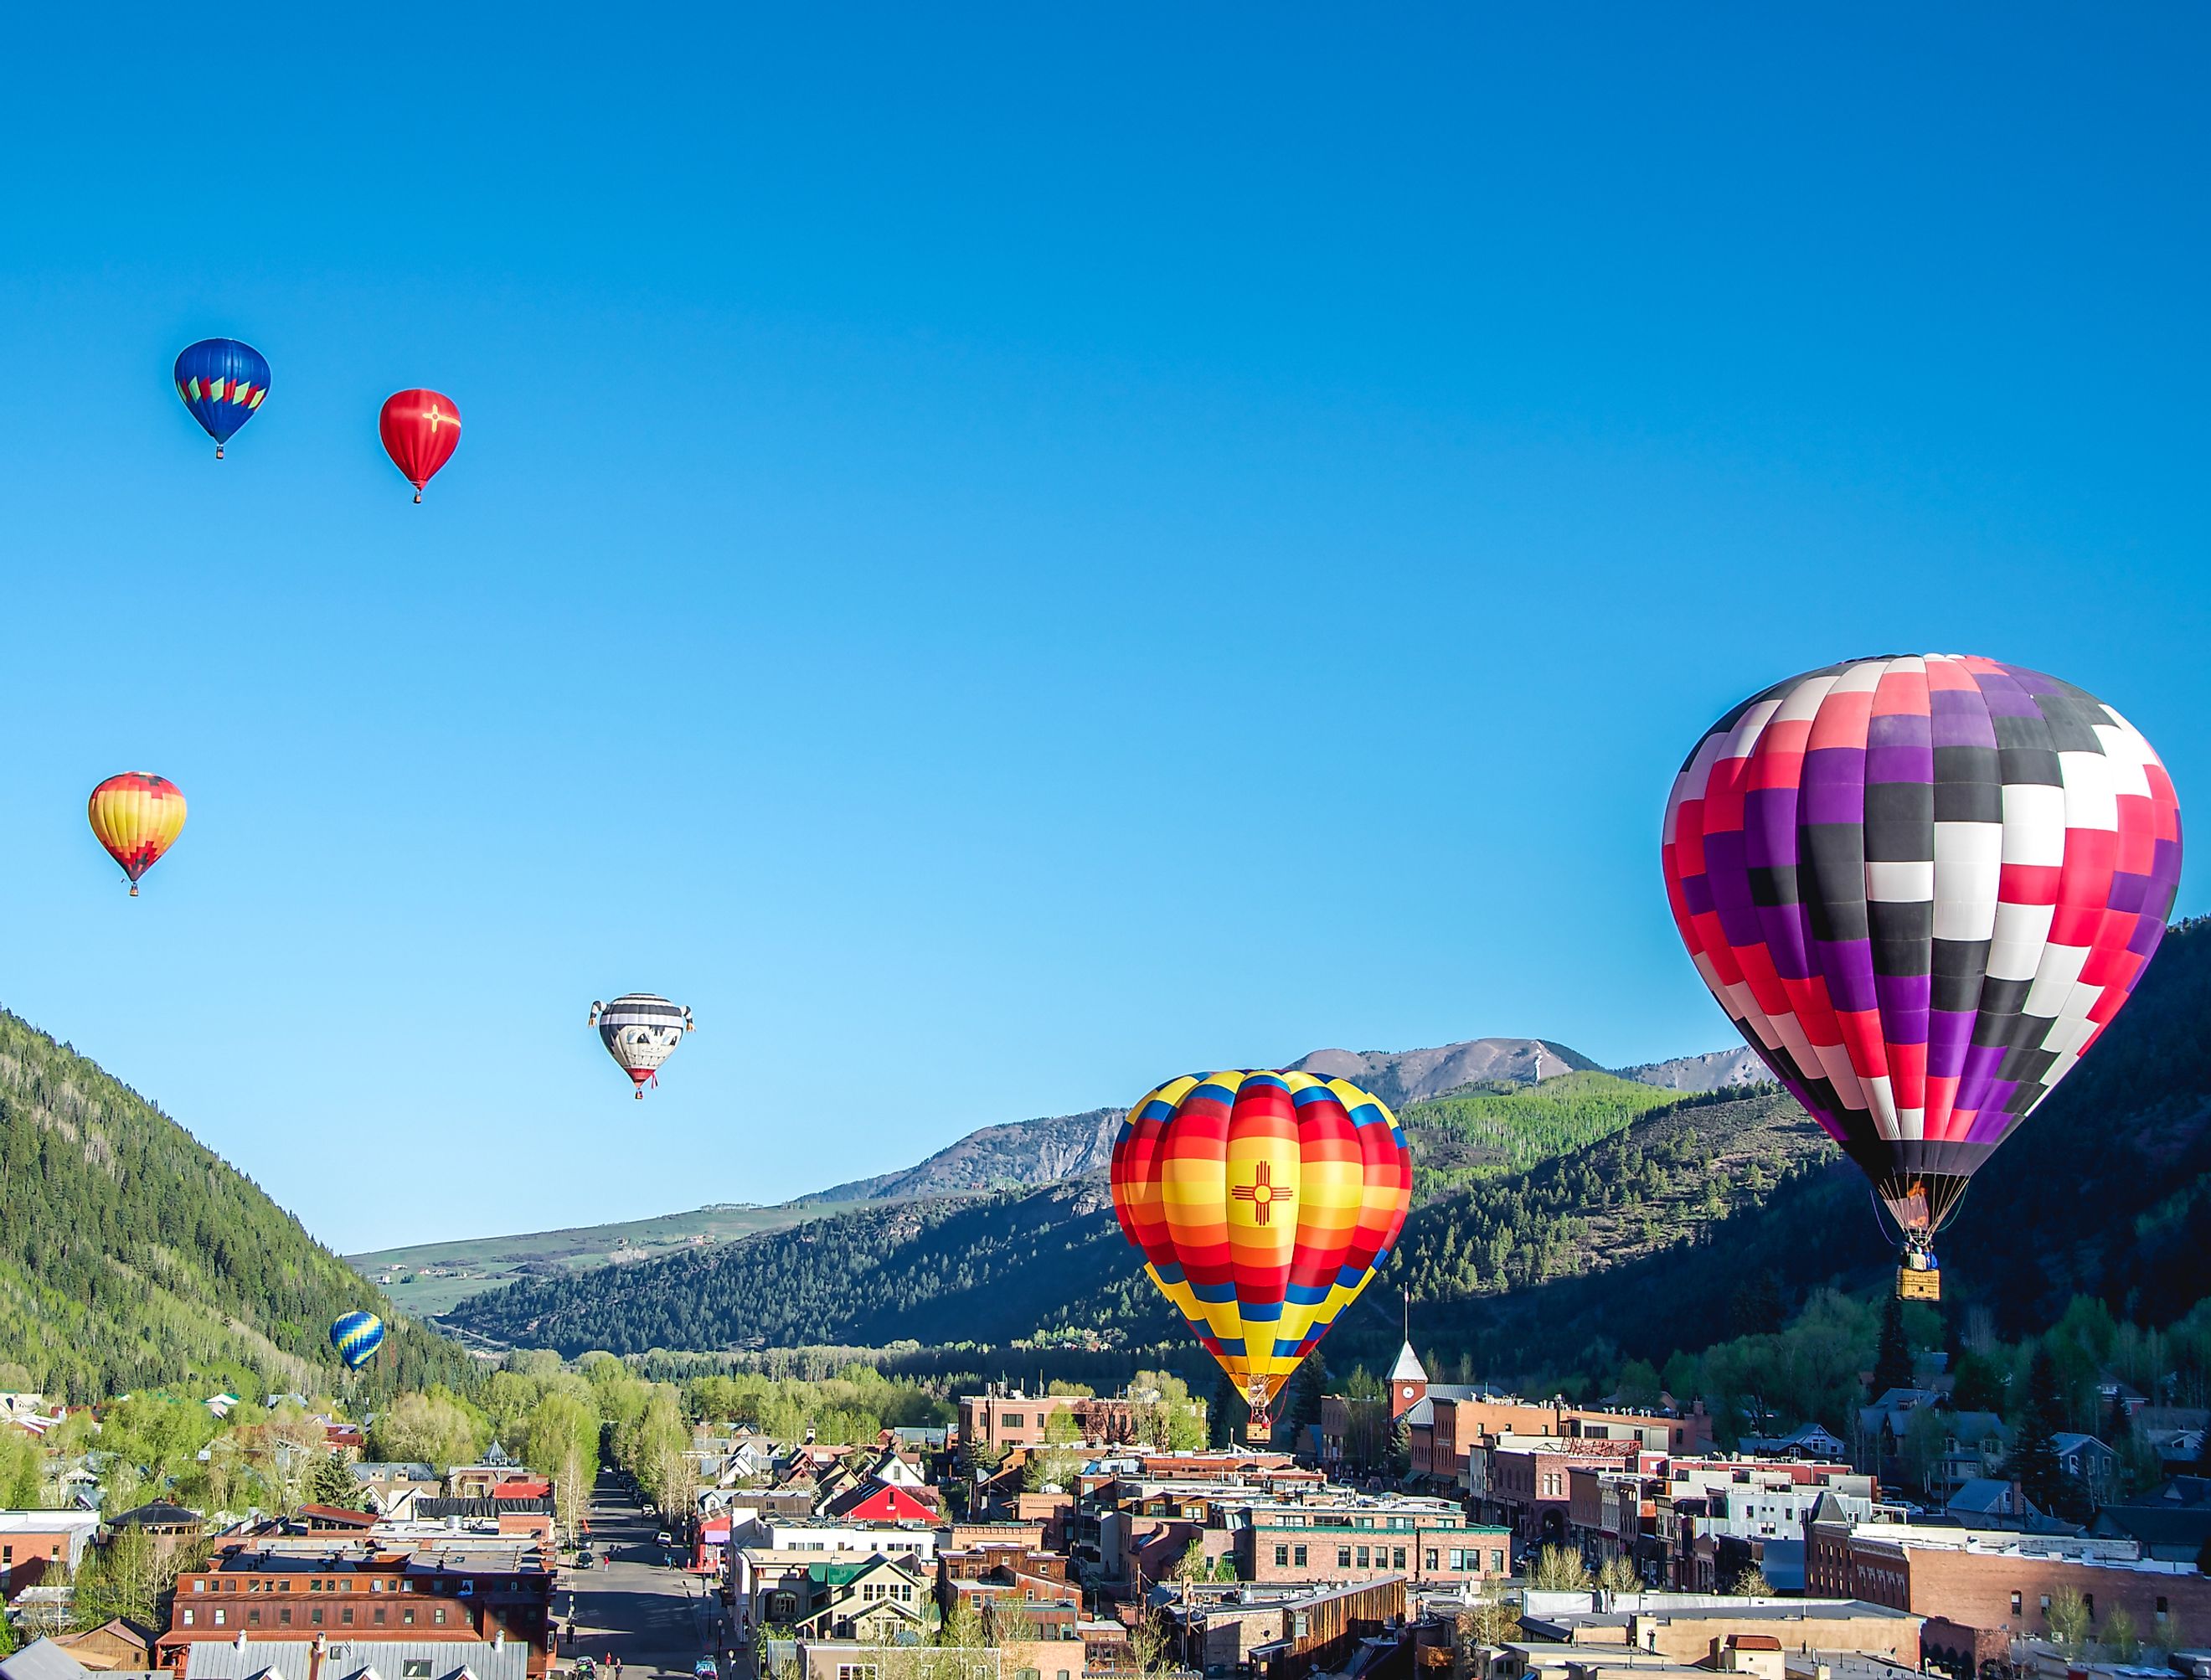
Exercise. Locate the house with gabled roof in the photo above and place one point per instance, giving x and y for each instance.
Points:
(882, 1503)
(872, 1602)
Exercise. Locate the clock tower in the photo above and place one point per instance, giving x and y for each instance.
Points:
(1409, 1382)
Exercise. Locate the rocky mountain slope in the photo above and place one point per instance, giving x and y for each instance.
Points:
(997, 1157)
(1714, 1070)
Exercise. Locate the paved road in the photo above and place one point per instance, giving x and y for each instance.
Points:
(633, 1606)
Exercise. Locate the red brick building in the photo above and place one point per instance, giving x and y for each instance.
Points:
(457, 1592)
(1987, 1588)
(1304, 1543)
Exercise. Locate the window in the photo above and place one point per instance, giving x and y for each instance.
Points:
(2045, 1603)
(1012, 1420)
(188, 1615)
(284, 1616)
(414, 1668)
(1362, 1557)
(1281, 1557)
(1496, 1560)
(1299, 1626)
(380, 1616)
(315, 1615)
(218, 1615)
(2160, 1603)
(1301, 1557)
(1431, 1558)
(1343, 1557)
(345, 1615)
(253, 1616)
(2015, 1603)
(2088, 1603)
(855, 1671)
(1458, 1558)
(199, 1586)
(407, 1616)
(441, 1615)
(1398, 1557)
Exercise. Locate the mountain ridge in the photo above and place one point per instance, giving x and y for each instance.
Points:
(1637, 1231)
(434, 1277)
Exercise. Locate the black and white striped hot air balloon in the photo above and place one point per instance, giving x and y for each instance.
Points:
(641, 1030)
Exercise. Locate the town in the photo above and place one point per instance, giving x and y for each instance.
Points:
(1417, 1531)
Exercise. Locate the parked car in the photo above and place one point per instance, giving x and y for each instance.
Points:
(585, 1668)
(664, 1538)
(586, 1561)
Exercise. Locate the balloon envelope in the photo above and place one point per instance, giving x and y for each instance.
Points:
(137, 817)
(1922, 886)
(223, 382)
(1263, 1203)
(641, 1030)
(420, 430)
(357, 1336)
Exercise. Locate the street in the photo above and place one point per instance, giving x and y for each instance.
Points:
(633, 1606)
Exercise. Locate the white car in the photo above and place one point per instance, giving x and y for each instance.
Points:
(664, 1538)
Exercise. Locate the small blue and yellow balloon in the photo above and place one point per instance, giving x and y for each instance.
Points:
(223, 382)
(357, 1336)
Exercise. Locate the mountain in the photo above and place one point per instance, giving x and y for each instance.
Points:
(1022, 1152)
(1005, 1266)
(1402, 1076)
(1713, 1071)
(433, 1277)
(130, 1255)
(1635, 1229)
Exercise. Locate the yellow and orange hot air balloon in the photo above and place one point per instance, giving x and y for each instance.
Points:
(137, 817)
(1263, 1203)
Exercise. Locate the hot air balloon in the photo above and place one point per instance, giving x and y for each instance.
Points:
(640, 1031)
(1261, 1202)
(421, 430)
(357, 1336)
(1922, 886)
(137, 817)
(222, 383)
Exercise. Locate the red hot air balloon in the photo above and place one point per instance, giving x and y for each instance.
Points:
(421, 429)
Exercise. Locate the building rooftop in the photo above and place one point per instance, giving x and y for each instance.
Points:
(357, 1660)
(47, 1522)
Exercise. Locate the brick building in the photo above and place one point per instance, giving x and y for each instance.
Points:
(1997, 1585)
(466, 1592)
(999, 1421)
(34, 1542)
(1426, 1542)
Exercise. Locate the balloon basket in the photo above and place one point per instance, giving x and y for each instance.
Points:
(134, 890)
(1259, 1429)
(1918, 1277)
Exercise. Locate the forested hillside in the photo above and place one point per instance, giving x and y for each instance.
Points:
(1576, 1224)
(130, 1255)
(1052, 1261)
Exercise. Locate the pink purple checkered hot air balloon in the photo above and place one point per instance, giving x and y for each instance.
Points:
(1922, 886)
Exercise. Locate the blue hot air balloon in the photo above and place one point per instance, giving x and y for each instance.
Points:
(357, 1336)
(222, 383)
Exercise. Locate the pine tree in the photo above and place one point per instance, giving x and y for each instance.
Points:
(2033, 1461)
(1220, 1415)
(1306, 1397)
(333, 1484)
(1892, 1363)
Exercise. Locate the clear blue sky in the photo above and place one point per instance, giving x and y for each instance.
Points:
(1003, 556)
